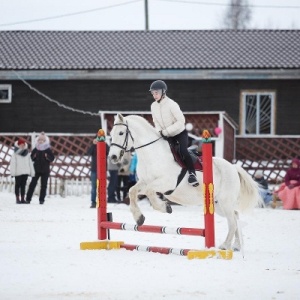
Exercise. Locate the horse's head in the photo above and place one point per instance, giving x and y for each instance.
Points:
(121, 139)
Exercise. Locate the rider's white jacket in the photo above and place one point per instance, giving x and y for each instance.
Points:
(167, 117)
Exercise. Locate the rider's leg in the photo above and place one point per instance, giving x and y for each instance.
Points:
(182, 139)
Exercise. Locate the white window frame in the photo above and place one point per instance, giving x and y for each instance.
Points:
(6, 87)
(257, 93)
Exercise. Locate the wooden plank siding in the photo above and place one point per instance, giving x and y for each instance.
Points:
(30, 112)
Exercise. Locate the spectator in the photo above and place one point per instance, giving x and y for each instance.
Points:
(197, 132)
(123, 176)
(92, 151)
(113, 170)
(196, 146)
(132, 171)
(20, 167)
(264, 191)
(132, 178)
(289, 191)
(42, 156)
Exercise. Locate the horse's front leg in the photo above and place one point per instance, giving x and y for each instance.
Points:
(134, 208)
(157, 202)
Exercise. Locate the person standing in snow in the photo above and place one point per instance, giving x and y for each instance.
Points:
(123, 176)
(42, 156)
(21, 167)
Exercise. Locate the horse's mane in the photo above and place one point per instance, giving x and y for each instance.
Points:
(140, 119)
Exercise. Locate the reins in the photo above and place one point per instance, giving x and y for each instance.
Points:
(148, 143)
(125, 144)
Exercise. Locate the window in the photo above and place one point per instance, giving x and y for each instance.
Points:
(258, 113)
(5, 93)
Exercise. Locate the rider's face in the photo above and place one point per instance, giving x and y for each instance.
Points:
(156, 94)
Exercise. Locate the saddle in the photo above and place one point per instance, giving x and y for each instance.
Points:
(193, 151)
(178, 157)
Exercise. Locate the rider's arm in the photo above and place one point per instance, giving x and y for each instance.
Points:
(179, 125)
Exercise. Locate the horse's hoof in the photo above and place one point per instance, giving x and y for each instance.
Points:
(223, 247)
(168, 208)
(140, 220)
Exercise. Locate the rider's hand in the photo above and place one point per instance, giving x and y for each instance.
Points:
(163, 136)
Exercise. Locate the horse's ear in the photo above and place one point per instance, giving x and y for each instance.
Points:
(120, 117)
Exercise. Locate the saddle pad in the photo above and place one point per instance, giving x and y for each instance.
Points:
(196, 159)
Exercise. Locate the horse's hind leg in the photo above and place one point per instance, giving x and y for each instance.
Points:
(134, 208)
(232, 228)
(237, 244)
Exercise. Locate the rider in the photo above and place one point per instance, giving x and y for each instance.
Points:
(170, 122)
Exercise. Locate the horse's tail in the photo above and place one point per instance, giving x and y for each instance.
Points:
(249, 196)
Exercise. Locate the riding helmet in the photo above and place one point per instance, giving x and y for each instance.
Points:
(158, 85)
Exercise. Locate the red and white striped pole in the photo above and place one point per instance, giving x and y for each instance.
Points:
(208, 190)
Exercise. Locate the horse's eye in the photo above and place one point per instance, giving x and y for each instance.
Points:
(121, 133)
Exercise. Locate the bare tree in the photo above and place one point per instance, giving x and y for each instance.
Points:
(238, 15)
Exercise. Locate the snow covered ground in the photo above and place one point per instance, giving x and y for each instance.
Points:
(40, 256)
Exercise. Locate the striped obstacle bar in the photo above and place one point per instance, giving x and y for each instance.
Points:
(161, 250)
(104, 222)
(153, 228)
(190, 253)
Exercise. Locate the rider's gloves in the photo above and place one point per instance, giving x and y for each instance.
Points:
(163, 136)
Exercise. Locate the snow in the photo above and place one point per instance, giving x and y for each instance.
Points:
(40, 256)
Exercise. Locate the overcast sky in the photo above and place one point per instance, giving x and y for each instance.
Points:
(130, 14)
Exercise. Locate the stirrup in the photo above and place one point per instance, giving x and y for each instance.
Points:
(192, 180)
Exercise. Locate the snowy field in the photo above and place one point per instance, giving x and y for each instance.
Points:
(40, 256)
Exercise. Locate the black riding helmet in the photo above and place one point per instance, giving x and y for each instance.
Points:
(158, 85)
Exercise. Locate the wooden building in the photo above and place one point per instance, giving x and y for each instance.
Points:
(58, 81)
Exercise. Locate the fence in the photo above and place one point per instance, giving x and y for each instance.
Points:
(56, 186)
(272, 155)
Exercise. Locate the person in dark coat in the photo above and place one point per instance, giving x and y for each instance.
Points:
(42, 156)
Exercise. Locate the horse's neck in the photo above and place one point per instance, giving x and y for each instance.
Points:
(142, 136)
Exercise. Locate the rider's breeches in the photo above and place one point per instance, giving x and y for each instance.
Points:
(182, 139)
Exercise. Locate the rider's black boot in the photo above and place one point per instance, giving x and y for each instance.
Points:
(192, 180)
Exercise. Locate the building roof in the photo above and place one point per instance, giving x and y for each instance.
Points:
(150, 50)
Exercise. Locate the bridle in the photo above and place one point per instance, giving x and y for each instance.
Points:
(125, 143)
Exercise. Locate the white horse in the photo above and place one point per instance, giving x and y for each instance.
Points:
(234, 189)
